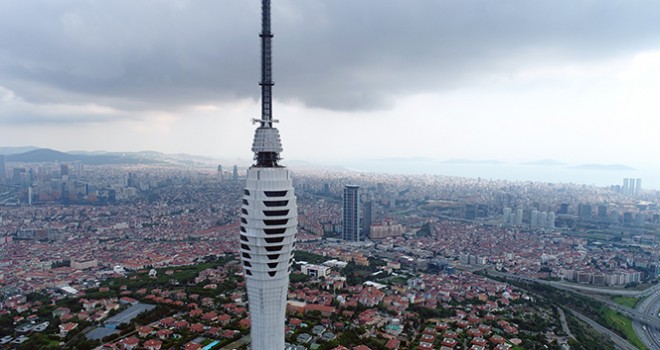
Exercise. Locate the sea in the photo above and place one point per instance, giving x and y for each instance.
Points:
(603, 177)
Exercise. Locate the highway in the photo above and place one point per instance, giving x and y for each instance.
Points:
(610, 291)
(645, 315)
(620, 342)
(649, 320)
(650, 336)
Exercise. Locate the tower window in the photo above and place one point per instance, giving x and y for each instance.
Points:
(244, 238)
(247, 264)
(248, 272)
(272, 265)
(275, 193)
(246, 192)
(272, 273)
(275, 240)
(243, 221)
(245, 246)
(244, 211)
(276, 203)
(243, 229)
(246, 255)
(245, 202)
(272, 256)
(276, 222)
(276, 248)
(274, 231)
(276, 212)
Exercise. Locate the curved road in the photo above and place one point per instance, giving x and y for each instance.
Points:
(609, 290)
(649, 335)
(620, 342)
(645, 315)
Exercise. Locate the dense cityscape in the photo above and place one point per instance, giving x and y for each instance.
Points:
(429, 268)
(388, 248)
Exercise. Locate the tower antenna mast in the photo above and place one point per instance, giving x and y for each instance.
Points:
(266, 67)
(267, 145)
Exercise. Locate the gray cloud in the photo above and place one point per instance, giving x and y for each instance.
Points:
(330, 54)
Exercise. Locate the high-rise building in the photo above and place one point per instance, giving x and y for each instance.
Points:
(19, 177)
(506, 215)
(235, 173)
(351, 213)
(269, 218)
(3, 170)
(519, 216)
(543, 219)
(367, 218)
(602, 212)
(534, 218)
(638, 186)
(220, 172)
(551, 220)
(626, 186)
(64, 170)
(585, 212)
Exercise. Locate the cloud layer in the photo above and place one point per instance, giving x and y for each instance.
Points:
(345, 55)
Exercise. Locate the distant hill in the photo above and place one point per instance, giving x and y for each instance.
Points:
(608, 167)
(42, 155)
(45, 155)
(16, 150)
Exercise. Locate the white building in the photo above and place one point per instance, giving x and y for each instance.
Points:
(315, 270)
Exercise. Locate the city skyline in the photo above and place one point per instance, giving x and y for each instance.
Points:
(562, 80)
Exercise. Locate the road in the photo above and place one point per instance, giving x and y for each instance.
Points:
(645, 320)
(620, 342)
(610, 291)
(651, 321)
(564, 324)
(650, 336)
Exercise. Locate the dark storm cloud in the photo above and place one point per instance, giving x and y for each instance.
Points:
(331, 54)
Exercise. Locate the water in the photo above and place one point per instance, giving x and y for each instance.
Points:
(211, 345)
(514, 172)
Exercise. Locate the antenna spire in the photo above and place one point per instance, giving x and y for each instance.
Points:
(267, 145)
(266, 67)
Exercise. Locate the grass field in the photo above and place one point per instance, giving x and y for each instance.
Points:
(623, 325)
(626, 301)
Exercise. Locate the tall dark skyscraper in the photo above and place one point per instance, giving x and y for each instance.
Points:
(64, 170)
(351, 213)
(367, 218)
(269, 217)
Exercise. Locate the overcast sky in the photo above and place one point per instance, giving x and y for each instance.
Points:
(576, 81)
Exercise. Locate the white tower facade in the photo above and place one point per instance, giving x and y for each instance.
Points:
(268, 229)
(269, 218)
